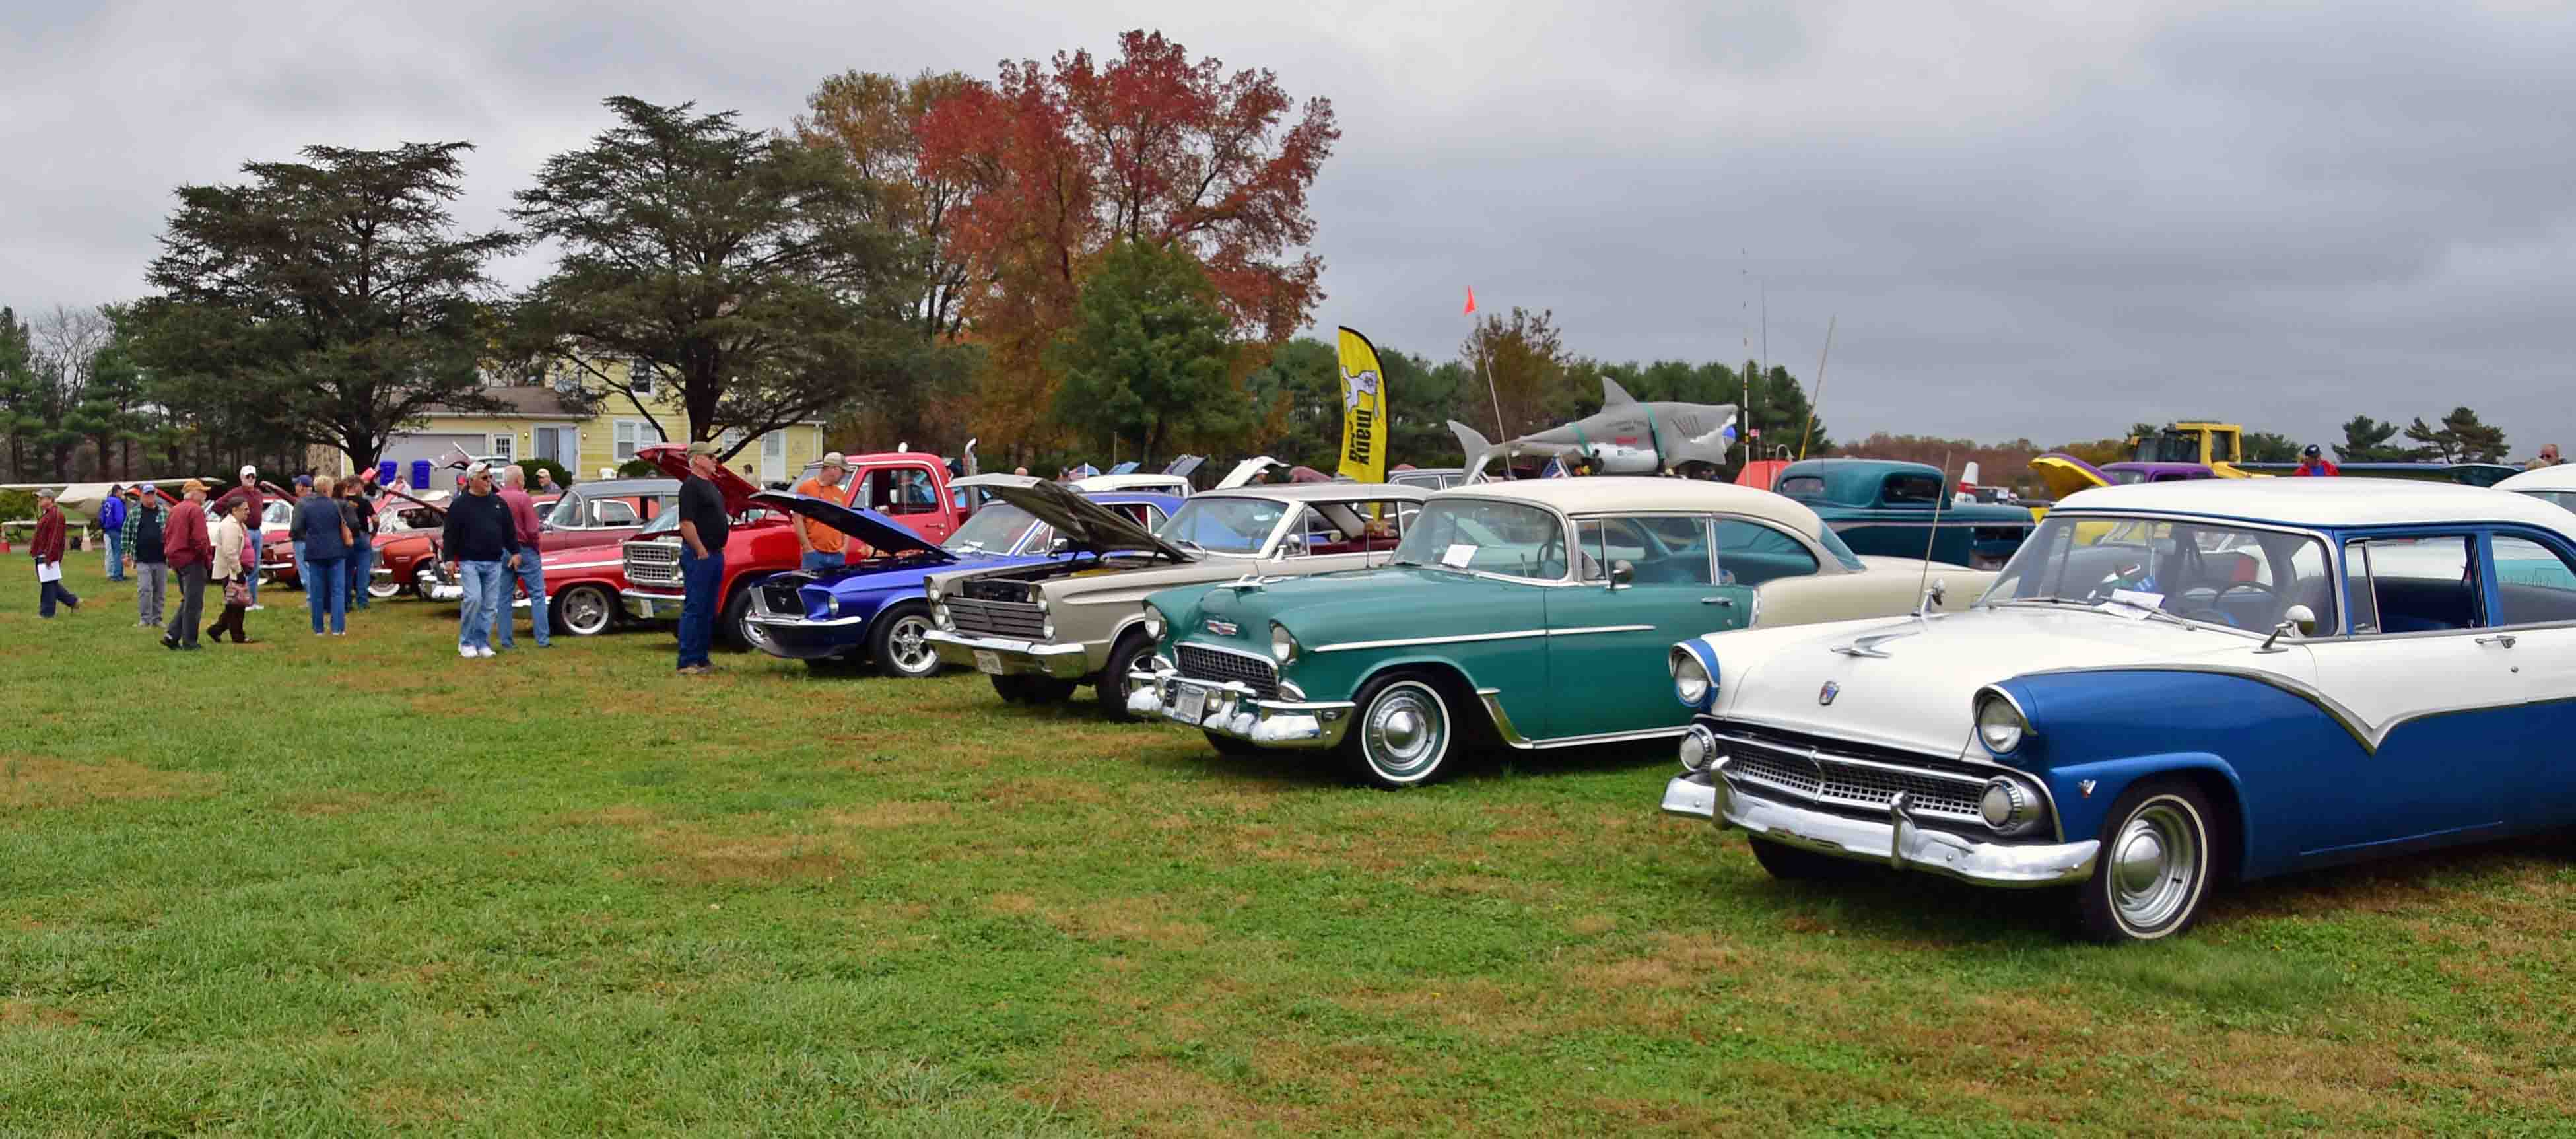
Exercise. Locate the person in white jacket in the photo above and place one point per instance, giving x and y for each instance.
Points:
(235, 559)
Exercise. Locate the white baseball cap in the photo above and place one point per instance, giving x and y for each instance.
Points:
(248, 470)
(833, 459)
(478, 470)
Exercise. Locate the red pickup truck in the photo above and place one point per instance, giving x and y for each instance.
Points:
(910, 487)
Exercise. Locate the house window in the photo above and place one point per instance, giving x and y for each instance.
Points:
(634, 433)
(504, 448)
(639, 376)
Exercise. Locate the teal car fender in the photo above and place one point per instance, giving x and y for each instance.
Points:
(1345, 628)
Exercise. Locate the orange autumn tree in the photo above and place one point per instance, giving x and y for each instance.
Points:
(1067, 157)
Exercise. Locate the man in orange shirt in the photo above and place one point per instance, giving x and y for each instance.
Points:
(823, 546)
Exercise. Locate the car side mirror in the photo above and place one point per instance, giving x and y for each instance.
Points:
(1623, 574)
(1293, 546)
(2297, 620)
(1059, 545)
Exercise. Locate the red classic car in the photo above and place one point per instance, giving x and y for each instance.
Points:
(579, 537)
(910, 487)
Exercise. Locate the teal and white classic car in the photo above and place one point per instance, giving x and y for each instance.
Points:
(1530, 614)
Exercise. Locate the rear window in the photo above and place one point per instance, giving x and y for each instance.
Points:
(1803, 486)
(1912, 490)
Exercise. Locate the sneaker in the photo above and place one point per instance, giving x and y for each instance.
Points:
(486, 652)
(72, 602)
(167, 643)
(257, 608)
(466, 651)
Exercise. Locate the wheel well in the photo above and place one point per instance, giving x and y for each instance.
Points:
(2225, 813)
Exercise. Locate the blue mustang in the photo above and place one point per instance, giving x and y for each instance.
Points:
(875, 608)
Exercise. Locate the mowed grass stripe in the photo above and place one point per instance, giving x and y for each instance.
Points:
(358, 885)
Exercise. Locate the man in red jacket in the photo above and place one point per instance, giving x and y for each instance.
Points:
(191, 552)
(48, 549)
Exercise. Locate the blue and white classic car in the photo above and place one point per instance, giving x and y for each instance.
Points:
(2171, 686)
(876, 608)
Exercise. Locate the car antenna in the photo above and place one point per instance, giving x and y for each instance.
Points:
(1922, 588)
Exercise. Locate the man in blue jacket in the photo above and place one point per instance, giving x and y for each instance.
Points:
(111, 522)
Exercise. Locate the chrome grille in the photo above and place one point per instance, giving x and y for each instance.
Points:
(782, 600)
(1013, 619)
(1201, 663)
(1846, 781)
(653, 563)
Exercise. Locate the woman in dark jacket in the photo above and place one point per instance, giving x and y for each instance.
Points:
(324, 530)
(361, 518)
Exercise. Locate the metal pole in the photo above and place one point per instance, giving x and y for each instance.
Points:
(1818, 401)
(1486, 355)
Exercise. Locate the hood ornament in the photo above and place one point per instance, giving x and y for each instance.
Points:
(1826, 694)
(1867, 646)
(1250, 582)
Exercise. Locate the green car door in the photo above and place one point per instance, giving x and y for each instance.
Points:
(1607, 640)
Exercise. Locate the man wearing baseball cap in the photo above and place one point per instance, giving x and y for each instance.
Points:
(190, 549)
(2313, 463)
(48, 551)
(481, 544)
(246, 491)
(704, 526)
(823, 546)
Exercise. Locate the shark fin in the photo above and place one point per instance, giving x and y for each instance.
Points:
(1612, 395)
(1474, 443)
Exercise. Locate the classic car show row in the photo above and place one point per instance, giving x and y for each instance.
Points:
(2134, 697)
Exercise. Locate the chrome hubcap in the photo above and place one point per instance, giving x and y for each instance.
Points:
(584, 612)
(911, 653)
(2155, 866)
(1405, 734)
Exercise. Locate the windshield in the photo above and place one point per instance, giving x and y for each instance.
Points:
(2213, 572)
(996, 529)
(1222, 525)
(1509, 538)
(667, 522)
(279, 512)
(2565, 498)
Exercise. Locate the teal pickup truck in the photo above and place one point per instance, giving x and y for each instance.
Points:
(1887, 507)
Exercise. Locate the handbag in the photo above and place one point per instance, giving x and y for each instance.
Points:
(236, 592)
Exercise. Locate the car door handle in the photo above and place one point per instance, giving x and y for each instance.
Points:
(2505, 639)
(1728, 602)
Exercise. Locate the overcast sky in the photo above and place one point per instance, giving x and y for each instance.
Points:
(2028, 223)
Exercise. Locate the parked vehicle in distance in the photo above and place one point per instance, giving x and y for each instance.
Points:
(1884, 506)
(580, 539)
(1173, 485)
(2549, 484)
(2171, 687)
(876, 608)
(1040, 630)
(909, 488)
(1531, 614)
(1428, 478)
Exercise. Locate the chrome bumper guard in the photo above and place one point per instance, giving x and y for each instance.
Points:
(1232, 708)
(1000, 656)
(1899, 842)
(646, 606)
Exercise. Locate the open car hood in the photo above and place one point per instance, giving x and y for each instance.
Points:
(2065, 474)
(1245, 471)
(871, 529)
(1090, 525)
(672, 459)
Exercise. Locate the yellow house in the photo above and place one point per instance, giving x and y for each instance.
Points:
(536, 422)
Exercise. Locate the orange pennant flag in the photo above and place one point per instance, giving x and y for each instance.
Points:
(1471, 298)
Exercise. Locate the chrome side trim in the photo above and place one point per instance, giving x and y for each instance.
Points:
(1598, 629)
(1511, 736)
(1406, 642)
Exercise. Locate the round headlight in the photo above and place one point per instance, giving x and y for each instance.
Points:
(831, 606)
(1692, 684)
(2009, 805)
(1283, 644)
(2000, 726)
(1153, 623)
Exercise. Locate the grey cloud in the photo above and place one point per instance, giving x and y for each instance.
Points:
(2028, 222)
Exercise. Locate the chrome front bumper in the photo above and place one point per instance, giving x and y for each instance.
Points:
(1232, 708)
(1001, 656)
(647, 606)
(1899, 841)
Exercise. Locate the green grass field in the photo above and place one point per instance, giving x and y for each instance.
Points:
(332, 887)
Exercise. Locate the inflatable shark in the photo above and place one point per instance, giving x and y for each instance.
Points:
(1624, 438)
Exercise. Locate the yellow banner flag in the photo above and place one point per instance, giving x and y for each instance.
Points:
(1363, 410)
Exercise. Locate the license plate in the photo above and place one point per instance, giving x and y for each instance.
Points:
(1191, 705)
(988, 662)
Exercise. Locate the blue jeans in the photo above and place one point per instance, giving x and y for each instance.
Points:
(325, 593)
(487, 597)
(531, 576)
(818, 560)
(303, 573)
(116, 555)
(361, 561)
(250, 561)
(700, 578)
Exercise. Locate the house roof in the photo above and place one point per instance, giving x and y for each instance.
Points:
(518, 403)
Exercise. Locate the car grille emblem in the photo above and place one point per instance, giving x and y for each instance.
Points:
(1826, 694)
(1223, 628)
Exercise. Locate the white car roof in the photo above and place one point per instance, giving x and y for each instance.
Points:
(2560, 477)
(1601, 493)
(2342, 501)
(1131, 482)
(1318, 492)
